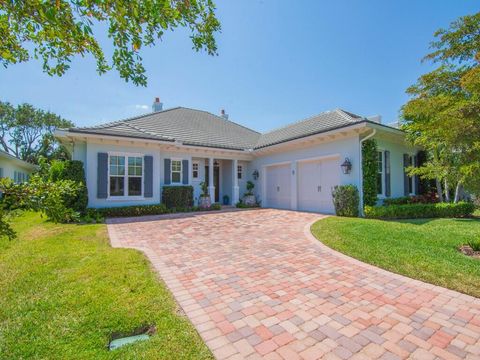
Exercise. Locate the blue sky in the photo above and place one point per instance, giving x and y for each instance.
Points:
(278, 62)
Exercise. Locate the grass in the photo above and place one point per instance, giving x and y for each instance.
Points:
(420, 249)
(64, 291)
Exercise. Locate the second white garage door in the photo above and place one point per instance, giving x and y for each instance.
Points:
(316, 180)
(279, 186)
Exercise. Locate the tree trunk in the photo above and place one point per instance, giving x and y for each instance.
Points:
(439, 189)
(458, 192)
(447, 191)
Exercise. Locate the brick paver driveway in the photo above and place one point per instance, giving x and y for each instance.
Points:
(256, 284)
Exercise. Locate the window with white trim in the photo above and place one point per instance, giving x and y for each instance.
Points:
(195, 170)
(239, 172)
(176, 171)
(380, 173)
(125, 176)
(19, 177)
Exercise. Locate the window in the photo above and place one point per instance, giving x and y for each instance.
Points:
(19, 177)
(380, 173)
(195, 170)
(239, 172)
(176, 171)
(125, 182)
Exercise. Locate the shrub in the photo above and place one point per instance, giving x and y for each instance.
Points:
(177, 197)
(346, 200)
(130, 211)
(474, 244)
(71, 170)
(242, 205)
(5, 227)
(416, 211)
(429, 198)
(250, 186)
(215, 206)
(370, 170)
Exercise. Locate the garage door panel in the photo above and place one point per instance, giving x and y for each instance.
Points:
(278, 186)
(316, 180)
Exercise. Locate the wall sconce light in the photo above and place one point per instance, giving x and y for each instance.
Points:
(255, 175)
(346, 166)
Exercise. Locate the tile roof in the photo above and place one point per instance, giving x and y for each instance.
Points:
(201, 128)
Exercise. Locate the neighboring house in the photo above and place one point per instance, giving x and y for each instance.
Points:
(14, 168)
(128, 162)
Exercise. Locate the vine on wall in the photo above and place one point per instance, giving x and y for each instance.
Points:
(369, 166)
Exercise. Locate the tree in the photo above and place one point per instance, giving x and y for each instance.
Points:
(27, 132)
(60, 30)
(443, 115)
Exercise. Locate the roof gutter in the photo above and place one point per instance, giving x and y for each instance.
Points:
(360, 185)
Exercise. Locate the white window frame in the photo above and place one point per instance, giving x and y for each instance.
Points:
(193, 170)
(382, 194)
(171, 172)
(240, 172)
(125, 195)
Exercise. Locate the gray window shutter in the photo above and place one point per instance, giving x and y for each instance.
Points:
(102, 176)
(387, 174)
(166, 170)
(148, 176)
(185, 170)
(406, 163)
(416, 178)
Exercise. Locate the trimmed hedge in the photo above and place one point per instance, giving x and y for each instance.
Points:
(370, 171)
(127, 211)
(429, 198)
(177, 197)
(140, 210)
(346, 200)
(417, 211)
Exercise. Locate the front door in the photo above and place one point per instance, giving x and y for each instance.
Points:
(216, 180)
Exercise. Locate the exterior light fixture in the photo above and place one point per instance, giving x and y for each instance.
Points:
(346, 166)
(255, 175)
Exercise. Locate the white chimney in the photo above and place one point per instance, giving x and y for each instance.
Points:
(224, 114)
(157, 105)
(375, 118)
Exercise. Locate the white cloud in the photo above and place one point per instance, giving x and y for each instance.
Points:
(142, 107)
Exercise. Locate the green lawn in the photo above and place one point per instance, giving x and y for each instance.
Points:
(64, 290)
(420, 249)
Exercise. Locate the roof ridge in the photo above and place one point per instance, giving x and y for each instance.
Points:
(116, 122)
(348, 115)
(221, 118)
(148, 132)
(297, 122)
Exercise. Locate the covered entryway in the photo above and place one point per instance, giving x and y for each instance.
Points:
(278, 186)
(316, 179)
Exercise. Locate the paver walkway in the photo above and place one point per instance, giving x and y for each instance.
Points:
(256, 284)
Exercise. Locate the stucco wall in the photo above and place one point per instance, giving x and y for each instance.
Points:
(9, 166)
(348, 147)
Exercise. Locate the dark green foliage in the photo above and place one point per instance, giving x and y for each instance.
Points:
(429, 198)
(417, 211)
(177, 197)
(250, 186)
(215, 206)
(370, 170)
(5, 227)
(346, 200)
(56, 32)
(130, 211)
(71, 170)
(474, 244)
(242, 205)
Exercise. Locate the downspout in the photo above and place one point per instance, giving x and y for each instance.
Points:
(361, 169)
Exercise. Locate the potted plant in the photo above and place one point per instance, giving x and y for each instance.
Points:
(204, 200)
(249, 197)
(226, 199)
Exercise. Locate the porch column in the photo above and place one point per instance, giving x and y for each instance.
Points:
(211, 187)
(235, 188)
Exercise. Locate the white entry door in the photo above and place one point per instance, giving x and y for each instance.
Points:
(278, 186)
(316, 180)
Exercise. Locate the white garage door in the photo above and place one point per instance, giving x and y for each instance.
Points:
(278, 186)
(316, 180)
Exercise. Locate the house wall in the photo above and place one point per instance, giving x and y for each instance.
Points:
(396, 163)
(9, 166)
(348, 147)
